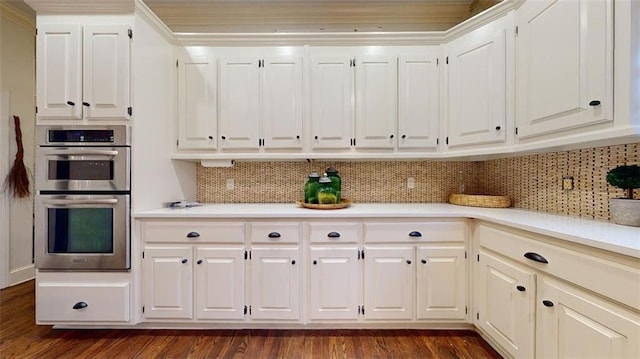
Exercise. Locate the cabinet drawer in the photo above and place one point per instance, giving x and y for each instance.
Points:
(616, 280)
(192, 231)
(333, 232)
(415, 232)
(104, 302)
(275, 232)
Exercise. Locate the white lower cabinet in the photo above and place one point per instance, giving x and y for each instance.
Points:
(572, 323)
(275, 283)
(505, 302)
(167, 282)
(389, 282)
(220, 282)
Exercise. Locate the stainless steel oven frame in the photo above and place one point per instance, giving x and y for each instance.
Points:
(119, 259)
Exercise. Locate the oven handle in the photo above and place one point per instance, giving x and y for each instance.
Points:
(81, 153)
(81, 201)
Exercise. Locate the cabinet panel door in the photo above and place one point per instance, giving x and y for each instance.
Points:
(418, 101)
(167, 282)
(506, 304)
(239, 121)
(220, 284)
(197, 111)
(442, 283)
(389, 279)
(574, 324)
(336, 283)
(282, 102)
(331, 102)
(477, 87)
(275, 283)
(59, 71)
(106, 72)
(564, 61)
(376, 101)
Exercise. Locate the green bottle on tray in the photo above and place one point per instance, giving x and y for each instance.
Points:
(326, 194)
(311, 188)
(336, 182)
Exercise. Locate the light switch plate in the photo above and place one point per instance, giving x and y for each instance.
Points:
(567, 183)
(231, 184)
(411, 183)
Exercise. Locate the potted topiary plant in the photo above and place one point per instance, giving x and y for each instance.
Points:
(625, 211)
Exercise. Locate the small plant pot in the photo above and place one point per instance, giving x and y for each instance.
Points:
(625, 211)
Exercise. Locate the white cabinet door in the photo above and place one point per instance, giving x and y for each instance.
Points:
(106, 72)
(282, 103)
(389, 282)
(197, 109)
(332, 102)
(239, 106)
(477, 87)
(574, 324)
(418, 101)
(441, 282)
(376, 101)
(219, 278)
(275, 283)
(59, 71)
(167, 282)
(506, 304)
(564, 65)
(336, 283)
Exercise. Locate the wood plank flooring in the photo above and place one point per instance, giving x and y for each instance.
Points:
(21, 338)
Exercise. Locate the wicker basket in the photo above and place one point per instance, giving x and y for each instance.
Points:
(479, 200)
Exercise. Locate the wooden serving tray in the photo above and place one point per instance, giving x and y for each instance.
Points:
(344, 203)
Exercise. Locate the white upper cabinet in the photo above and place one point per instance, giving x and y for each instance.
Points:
(564, 66)
(376, 101)
(332, 102)
(83, 73)
(260, 103)
(418, 101)
(197, 111)
(353, 101)
(476, 80)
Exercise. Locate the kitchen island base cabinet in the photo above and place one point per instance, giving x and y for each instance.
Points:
(574, 324)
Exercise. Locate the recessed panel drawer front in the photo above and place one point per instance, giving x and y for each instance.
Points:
(414, 232)
(274, 232)
(334, 232)
(192, 231)
(617, 280)
(82, 302)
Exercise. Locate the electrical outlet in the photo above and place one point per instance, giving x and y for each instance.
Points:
(567, 183)
(411, 183)
(231, 183)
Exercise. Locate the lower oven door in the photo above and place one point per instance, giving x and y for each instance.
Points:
(82, 232)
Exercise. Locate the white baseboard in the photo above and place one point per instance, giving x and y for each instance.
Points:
(22, 274)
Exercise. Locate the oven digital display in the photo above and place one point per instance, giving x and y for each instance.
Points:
(81, 136)
(80, 230)
(91, 170)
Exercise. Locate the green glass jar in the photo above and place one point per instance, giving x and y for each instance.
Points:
(311, 188)
(336, 181)
(326, 192)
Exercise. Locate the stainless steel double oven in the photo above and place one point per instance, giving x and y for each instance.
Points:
(82, 210)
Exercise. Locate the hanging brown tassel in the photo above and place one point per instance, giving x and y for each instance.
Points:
(17, 180)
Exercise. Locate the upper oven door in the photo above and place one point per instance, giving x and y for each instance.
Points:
(83, 169)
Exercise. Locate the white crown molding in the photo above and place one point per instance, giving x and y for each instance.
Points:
(143, 11)
(481, 19)
(17, 16)
(81, 7)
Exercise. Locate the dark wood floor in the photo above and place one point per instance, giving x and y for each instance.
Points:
(21, 338)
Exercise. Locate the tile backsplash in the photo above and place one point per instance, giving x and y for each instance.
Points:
(532, 181)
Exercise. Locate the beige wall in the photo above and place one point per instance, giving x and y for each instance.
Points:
(17, 32)
(533, 182)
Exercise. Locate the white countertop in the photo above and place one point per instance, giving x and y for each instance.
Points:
(603, 235)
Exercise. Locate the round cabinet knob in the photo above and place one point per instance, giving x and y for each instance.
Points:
(521, 288)
(498, 128)
(315, 137)
(391, 136)
(408, 261)
(424, 261)
(293, 262)
(71, 103)
(223, 137)
(404, 136)
(199, 261)
(210, 137)
(297, 137)
(80, 305)
(315, 262)
(86, 104)
(547, 303)
(184, 261)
